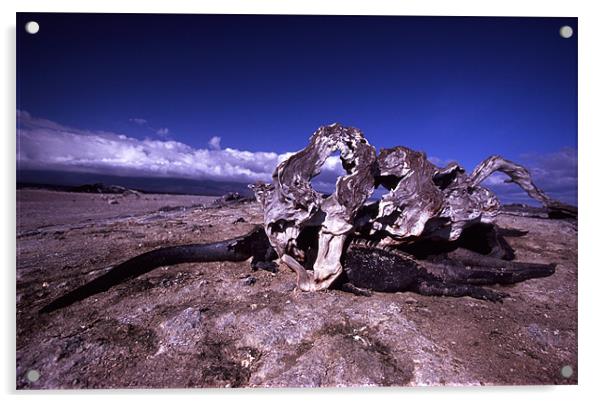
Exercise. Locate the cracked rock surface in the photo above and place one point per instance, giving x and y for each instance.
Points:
(205, 325)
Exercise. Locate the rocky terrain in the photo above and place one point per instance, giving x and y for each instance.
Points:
(223, 325)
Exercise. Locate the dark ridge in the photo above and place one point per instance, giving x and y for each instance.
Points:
(84, 182)
(555, 210)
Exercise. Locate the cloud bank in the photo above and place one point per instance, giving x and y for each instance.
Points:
(44, 144)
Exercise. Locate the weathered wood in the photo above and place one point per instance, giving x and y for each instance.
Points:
(423, 202)
(413, 198)
(291, 203)
(517, 173)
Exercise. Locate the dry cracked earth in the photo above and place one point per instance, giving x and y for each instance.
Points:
(223, 325)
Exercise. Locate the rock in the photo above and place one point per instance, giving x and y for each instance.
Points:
(178, 330)
(207, 328)
(249, 280)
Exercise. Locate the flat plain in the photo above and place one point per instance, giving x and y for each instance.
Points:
(222, 325)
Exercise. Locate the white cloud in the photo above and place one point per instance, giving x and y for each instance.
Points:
(139, 121)
(436, 160)
(215, 143)
(497, 178)
(164, 131)
(43, 144)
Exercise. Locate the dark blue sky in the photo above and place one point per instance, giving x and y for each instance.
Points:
(457, 88)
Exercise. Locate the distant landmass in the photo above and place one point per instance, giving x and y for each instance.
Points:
(80, 182)
(70, 181)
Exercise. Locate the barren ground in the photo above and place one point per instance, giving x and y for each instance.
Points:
(211, 325)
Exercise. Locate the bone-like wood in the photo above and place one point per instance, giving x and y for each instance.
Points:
(423, 201)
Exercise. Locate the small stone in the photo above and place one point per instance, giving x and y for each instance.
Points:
(250, 280)
(410, 300)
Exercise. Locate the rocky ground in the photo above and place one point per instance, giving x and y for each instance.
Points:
(222, 325)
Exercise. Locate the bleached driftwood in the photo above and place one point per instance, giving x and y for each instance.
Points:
(315, 235)
(423, 201)
(291, 203)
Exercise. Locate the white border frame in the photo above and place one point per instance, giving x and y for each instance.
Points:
(590, 128)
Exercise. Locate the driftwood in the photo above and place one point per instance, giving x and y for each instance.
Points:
(367, 267)
(432, 233)
(424, 202)
(290, 203)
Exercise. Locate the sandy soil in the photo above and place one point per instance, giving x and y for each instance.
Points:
(222, 325)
